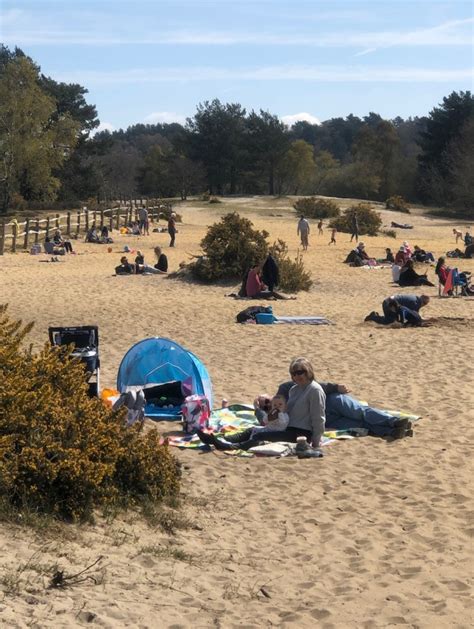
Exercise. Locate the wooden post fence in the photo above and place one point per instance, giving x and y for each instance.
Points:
(68, 224)
(37, 231)
(57, 221)
(2, 238)
(27, 233)
(87, 220)
(14, 236)
(101, 218)
(117, 219)
(47, 227)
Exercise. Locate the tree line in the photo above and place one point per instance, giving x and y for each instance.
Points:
(50, 153)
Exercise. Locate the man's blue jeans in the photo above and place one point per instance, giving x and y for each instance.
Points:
(344, 412)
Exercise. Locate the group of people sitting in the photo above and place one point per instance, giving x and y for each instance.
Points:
(359, 256)
(404, 309)
(140, 267)
(403, 268)
(97, 237)
(306, 408)
(260, 281)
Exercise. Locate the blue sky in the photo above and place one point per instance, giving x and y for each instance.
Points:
(154, 61)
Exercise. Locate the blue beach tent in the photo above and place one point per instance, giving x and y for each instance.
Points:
(167, 372)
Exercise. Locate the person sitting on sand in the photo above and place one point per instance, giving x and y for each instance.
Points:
(389, 256)
(256, 289)
(59, 241)
(161, 261)
(270, 272)
(420, 255)
(104, 235)
(92, 235)
(125, 268)
(52, 249)
(272, 416)
(409, 277)
(402, 308)
(468, 240)
(401, 257)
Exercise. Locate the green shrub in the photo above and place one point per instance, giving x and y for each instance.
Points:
(391, 233)
(214, 200)
(368, 219)
(62, 452)
(312, 207)
(165, 213)
(293, 276)
(397, 203)
(230, 247)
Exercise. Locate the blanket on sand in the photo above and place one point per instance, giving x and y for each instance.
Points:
(238, 417)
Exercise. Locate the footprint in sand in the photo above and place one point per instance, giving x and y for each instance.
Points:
(320, 614)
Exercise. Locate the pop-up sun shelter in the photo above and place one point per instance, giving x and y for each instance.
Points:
(167, 372)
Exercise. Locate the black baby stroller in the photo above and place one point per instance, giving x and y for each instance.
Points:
(85, 339)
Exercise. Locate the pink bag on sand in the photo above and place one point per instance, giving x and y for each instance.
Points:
(196, 413)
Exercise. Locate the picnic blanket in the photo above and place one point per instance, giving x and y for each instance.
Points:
(303, 320)
(238, 417)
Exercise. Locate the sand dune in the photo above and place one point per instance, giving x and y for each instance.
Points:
(376, 534)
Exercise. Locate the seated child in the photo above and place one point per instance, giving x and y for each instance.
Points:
(272, 417)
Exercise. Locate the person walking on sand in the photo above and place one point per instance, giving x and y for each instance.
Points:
(143, 221)
(333, 236)
(172, 228)
(354, 227)
(303, 231)
(320, 227)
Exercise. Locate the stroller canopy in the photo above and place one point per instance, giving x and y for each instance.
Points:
(156, 361)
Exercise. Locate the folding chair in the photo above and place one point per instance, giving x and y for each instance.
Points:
(85, 339)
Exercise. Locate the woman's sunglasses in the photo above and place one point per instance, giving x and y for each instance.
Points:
(298, 372)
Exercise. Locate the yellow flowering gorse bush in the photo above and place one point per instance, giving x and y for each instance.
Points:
(62, 452)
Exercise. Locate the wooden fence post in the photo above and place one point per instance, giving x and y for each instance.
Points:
(94, 218)
(117, 219)
(111, 220)
(27, 233)
(87, 220)
(2, 238)
(57, 221)
(37, 231)
(68, 224)
(78, 224)
(136, 214)
(47, 227)
(14, 236)
(101, 218)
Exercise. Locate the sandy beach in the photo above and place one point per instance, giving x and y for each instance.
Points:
(375, 534)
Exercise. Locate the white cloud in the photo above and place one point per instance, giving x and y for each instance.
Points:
(328, 74)
(165, 117)
(292, 118)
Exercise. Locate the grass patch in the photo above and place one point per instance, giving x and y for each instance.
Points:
(168, 520)
(165, 552)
